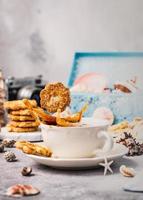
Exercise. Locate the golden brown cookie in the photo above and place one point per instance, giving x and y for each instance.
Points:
(24, 112)
(27, 124)
(118, 127)
(34, 149)
(39, 114)
(21, 118)
(20, 144)
(55, 96)
(11, 128)
(17, 104)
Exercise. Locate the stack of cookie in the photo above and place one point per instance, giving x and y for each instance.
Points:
(20, 118)
(2, 99)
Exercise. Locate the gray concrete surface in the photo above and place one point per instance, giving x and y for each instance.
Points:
(40, 37)
(67, 185)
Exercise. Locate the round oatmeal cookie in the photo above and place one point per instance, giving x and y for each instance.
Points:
(11, 128)
(21, 118)
(18, 104)
(55, 96)
(24, 112)
(27, 124)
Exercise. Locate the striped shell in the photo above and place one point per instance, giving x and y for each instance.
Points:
(126, 171)
(22, 190)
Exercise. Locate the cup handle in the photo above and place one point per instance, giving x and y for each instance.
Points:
(108, 143)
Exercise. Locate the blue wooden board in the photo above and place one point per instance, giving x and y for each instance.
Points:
(117, 66)
(99, 55)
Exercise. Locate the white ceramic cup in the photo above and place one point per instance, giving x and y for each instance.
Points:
(77, 142)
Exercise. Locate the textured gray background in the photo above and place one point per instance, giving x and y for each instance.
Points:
(41, 36)
(70, 185)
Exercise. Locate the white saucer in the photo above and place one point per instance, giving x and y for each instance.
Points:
(117, 152)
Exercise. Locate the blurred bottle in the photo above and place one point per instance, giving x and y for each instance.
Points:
(2, 99)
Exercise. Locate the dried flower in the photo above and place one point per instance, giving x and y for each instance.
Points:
(134, 147)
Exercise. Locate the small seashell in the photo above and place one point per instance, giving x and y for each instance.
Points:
(10, 156)
(26, 171)
(127, 171)
(1, 148)
(22, 190)
(103, 113)
(8, 143)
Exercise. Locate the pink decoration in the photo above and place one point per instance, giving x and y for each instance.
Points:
(104, 114)
(92, 82)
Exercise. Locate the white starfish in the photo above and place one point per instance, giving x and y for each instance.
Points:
(106, 166)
